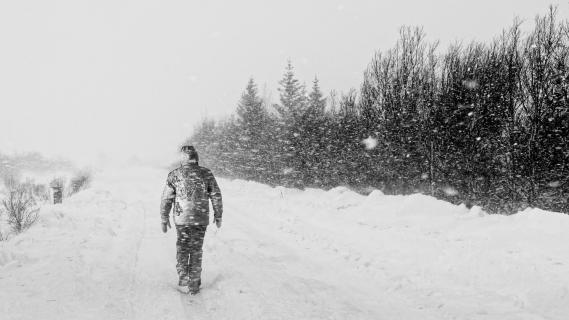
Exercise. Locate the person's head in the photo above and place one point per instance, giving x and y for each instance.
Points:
(189, 153)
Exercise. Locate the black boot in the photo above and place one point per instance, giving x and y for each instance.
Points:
(194, 286)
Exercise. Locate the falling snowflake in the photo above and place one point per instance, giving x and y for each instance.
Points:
(450, 191)
(370, 143)
(554, 184)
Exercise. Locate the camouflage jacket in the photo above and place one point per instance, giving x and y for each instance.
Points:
(188, 189)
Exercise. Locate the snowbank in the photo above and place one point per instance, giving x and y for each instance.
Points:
(447, 259)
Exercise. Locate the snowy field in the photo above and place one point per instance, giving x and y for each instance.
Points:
(286, 254)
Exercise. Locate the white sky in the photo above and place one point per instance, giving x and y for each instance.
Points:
(113, 79)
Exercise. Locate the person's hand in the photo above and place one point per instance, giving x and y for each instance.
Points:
(165, 226)
(218, 223)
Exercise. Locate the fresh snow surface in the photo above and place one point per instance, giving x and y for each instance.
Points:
(285, 254)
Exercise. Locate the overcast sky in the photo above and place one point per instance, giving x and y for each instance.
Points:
(113, 79)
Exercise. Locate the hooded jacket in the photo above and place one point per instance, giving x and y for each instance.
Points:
(188, 190)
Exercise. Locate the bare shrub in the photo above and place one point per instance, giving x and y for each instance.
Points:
(80, 181)
(19, 205)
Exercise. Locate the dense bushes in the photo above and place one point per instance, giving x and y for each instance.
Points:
(485, 123)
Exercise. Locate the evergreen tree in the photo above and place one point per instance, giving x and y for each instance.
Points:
(292, 95)
(251, 128)
(291, 110)
(250, 108)
(312, 132)
(316, 102)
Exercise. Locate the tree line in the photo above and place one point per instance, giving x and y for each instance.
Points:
(482, 123)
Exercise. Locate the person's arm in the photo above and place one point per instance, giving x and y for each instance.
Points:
(214, 193)
(168, 196)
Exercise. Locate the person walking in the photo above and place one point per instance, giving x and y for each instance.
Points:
(188, 190)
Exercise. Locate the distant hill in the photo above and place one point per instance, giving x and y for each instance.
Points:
(33, 162)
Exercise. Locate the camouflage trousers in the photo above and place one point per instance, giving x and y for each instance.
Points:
(189, 251)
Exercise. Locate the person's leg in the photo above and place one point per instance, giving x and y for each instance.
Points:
(197, 234)
(183, 253)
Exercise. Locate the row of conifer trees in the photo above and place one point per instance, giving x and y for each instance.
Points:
(483, 123)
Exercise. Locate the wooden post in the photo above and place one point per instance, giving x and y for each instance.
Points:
(57, 195)
(57, 190)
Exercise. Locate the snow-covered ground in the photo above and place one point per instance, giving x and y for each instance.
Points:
(286, 254)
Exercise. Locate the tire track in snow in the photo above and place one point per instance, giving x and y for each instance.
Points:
(132, 280)
(265, 269)
(154, 275)
(309, 281)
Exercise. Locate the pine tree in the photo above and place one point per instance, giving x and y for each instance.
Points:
(316, 102)
(251, 111)
(292, 95)
(311, 126)
(290, 137)
(251, 130)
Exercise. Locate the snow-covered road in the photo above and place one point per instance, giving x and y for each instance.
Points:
(285, 254)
